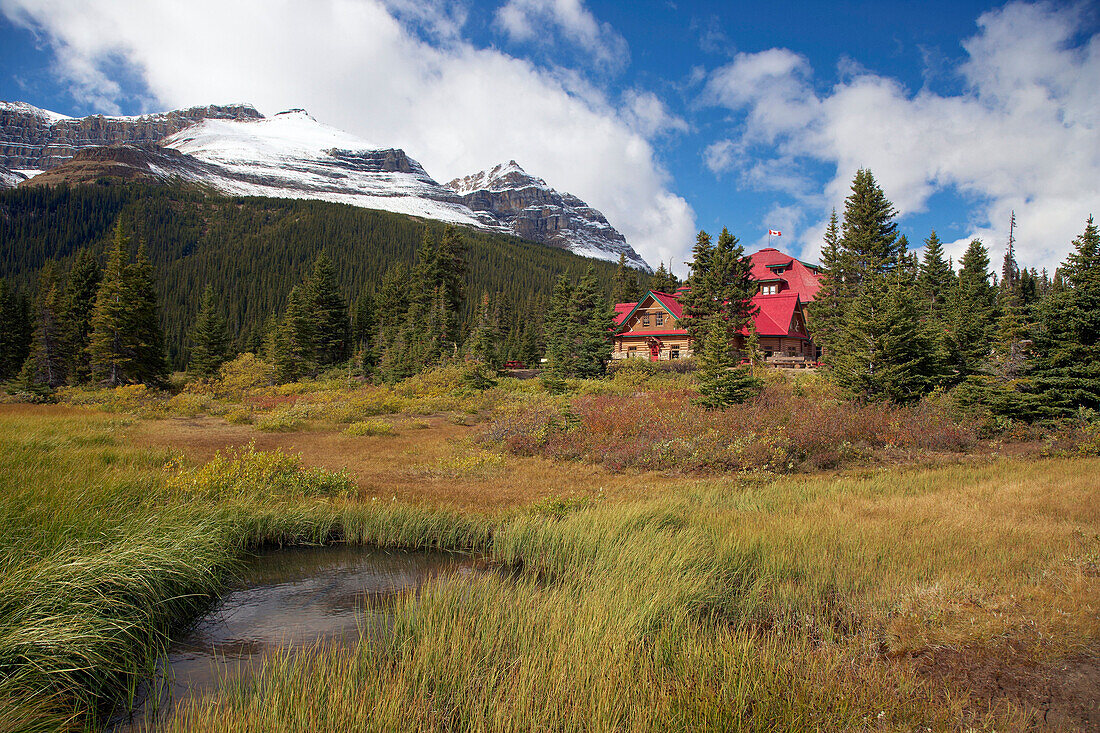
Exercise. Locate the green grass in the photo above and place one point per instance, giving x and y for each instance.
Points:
(725, 604)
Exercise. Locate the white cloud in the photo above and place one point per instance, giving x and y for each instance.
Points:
(647, 114)
(1022, 136)
(354, 65)
(525, 21)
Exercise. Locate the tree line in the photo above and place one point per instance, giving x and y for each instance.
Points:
(896, 326)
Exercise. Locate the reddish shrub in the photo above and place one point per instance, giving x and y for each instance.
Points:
(780, 430)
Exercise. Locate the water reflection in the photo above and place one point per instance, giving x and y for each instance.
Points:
(288, 599)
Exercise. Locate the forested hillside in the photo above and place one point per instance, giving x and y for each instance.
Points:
(251, 251)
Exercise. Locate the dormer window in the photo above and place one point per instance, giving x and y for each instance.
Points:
(769, 289)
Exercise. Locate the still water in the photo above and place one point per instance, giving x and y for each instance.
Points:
(285, 600)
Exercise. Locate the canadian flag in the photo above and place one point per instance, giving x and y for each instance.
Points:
(774, 233)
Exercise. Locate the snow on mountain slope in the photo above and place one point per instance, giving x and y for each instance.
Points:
(535, 211)
(238, 151)
(291, 155)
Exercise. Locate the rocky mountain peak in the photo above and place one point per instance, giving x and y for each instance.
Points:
(537, 212)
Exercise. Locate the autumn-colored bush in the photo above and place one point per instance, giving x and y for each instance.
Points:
(789, 426)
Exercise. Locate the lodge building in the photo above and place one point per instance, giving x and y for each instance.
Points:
(653, 327)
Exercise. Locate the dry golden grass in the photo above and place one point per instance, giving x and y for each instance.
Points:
(408, 465)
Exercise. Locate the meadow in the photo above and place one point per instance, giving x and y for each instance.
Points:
(929, 577)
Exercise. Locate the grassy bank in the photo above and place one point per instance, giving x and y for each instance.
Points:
(733, 603)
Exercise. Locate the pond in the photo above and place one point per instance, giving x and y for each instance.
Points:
(284, 600)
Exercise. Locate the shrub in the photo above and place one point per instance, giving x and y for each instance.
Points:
(278, 421)
(239, 416)
(257, 476)
(778, 431)
(370, 427)
(246, 372)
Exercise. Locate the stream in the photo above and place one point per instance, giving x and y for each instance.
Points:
(283, 600)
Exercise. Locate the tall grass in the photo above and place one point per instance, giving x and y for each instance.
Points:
(741, 604)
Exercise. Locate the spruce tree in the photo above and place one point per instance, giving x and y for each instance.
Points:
(294, 345)
(972, 314)
(209, 337)
(882, 353)
(625, 287)
(592, 321)
(15, 330)
(936, 278)
(79, 303)
(559, 332)
(828, 307)
(1066, 373)
(721, 384)
(46, 367)
(150, 365)
(481, 346)
(721, 286)
(126, 343)
(869, 243)
(330, 313)
(663, 281)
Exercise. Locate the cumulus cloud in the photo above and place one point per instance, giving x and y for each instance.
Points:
(1023, 135)
(359, 65)
(525, 21)
(647, 114)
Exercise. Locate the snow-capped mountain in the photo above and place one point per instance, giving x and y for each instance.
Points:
(236, 150)
(534, 211)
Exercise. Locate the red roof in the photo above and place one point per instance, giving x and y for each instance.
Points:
(775, 314)
(798, 278)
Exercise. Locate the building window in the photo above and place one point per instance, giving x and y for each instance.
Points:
(769, 289)
(645, 321)
(631, 352)
(674, 354)
(660, 319)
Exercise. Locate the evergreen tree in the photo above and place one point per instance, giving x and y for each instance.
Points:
(126, 342)
(209, 337)
(869, 243)
(720, 286)
(330, 313)
(828, 307)
(1010, 271)
(364, 332)
(15, 330)
(720, 383)
(882, 353)
(150, 365)
(293, 344)
(592, 320)
(79, 303)
(663, 281)
(46, 368)
(559, 332)
(936, 278)
(625, 287)
(972, 312)
(1067, 371)
(391, 307)
(482, 343)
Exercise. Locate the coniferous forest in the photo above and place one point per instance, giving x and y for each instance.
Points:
(251, 252)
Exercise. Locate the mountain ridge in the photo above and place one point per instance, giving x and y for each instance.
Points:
(238, 151)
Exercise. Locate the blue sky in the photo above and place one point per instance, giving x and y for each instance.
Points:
(668, 116)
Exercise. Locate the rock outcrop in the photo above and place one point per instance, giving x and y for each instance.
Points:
(238, 151)
(35, 139)
(533, 210)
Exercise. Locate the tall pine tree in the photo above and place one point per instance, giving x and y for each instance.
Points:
(625, 288)
(330, 313)
(47, 365)
(972, 315)
(209, 337)
(79, 303)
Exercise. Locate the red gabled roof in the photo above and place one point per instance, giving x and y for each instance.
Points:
(797, 276)
(622, 310)
(670, 302)
(775, 314)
